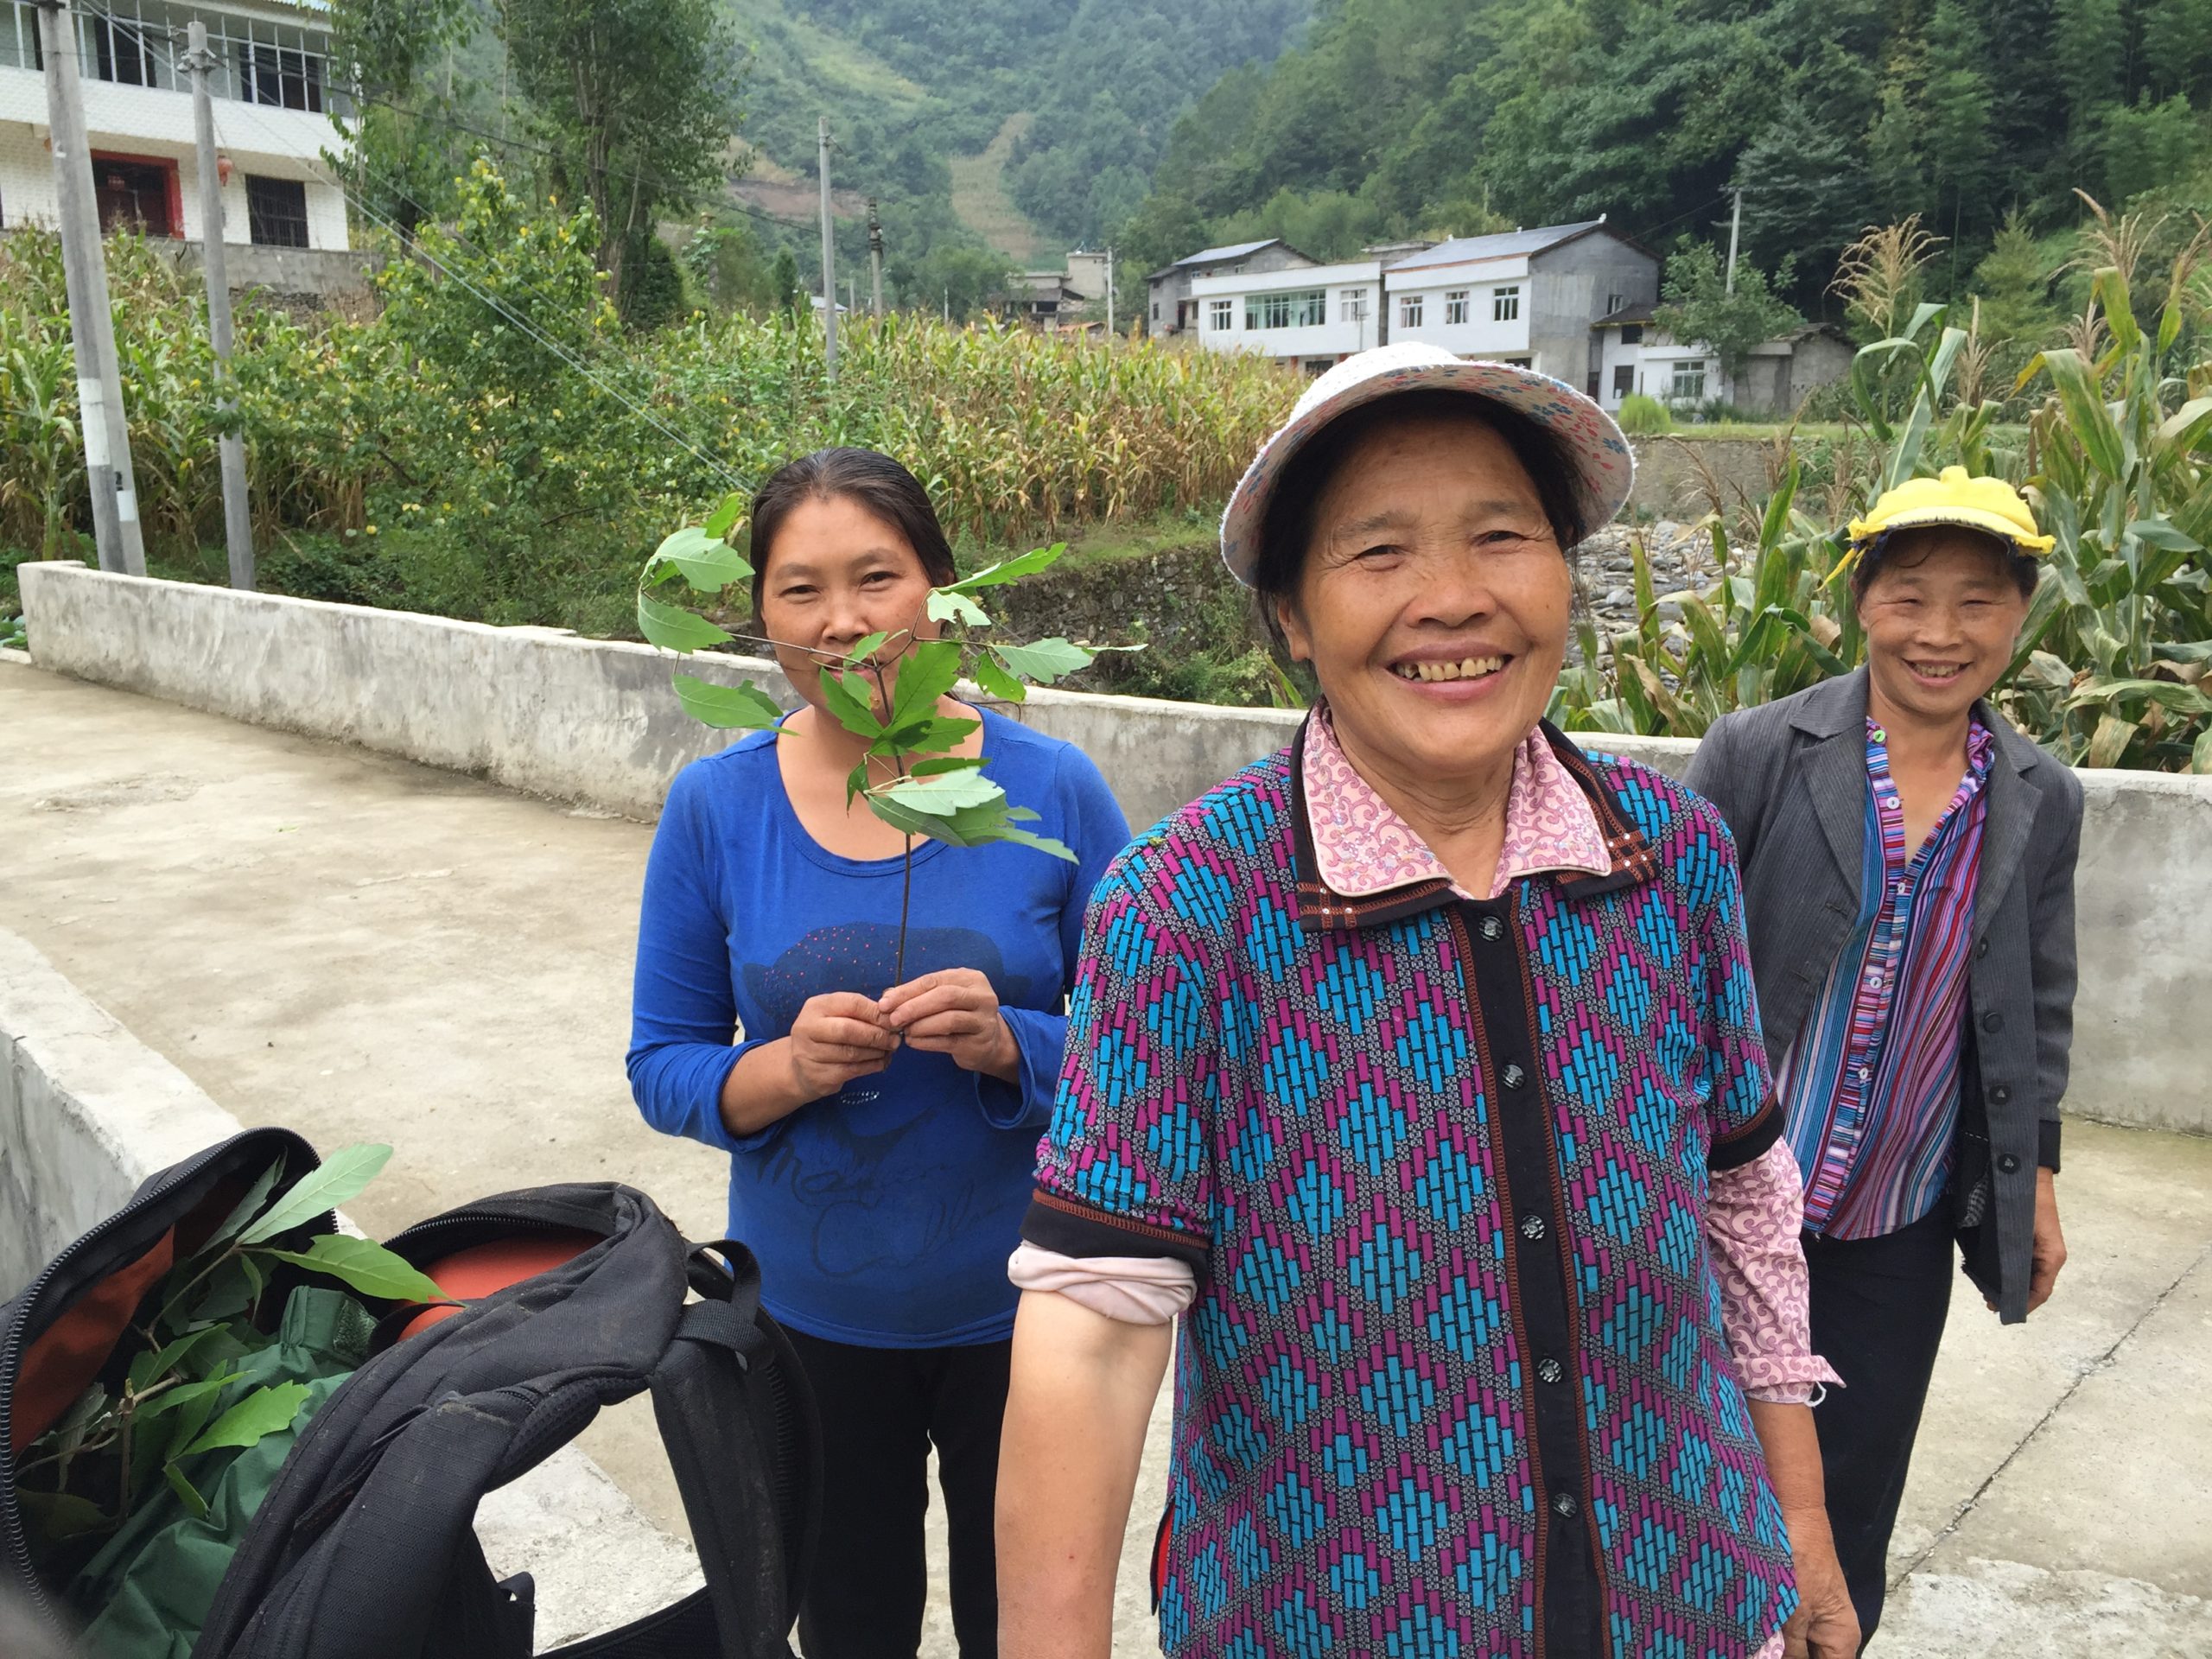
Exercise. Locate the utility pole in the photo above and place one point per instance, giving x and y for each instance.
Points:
(828, 262)
(92, 323)
(1110, 292)
(1735, 230)
(238, 514)
(874, 260)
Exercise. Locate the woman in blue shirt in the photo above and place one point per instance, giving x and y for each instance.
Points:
(881, 1136)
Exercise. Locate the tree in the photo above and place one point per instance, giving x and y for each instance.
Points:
(401, 160)
(636, 100)
(1804, 185)
(2013, 284)
(1699, 308)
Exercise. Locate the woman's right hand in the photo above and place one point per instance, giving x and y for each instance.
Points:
(838, 1036)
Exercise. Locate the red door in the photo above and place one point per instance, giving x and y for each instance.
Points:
(138, 193)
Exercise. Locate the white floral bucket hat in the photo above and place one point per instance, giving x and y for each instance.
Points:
(1600, 464)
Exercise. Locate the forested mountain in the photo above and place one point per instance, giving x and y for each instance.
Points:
(1400, 116)
(1105, 81)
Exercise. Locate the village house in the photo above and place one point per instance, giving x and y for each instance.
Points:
(1170, 308)
(1685, 375)
(1531, 296)
(274, 94)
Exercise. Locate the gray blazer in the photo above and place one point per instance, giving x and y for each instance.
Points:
(1790, 779)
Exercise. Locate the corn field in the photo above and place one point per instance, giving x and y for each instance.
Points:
(486, 441)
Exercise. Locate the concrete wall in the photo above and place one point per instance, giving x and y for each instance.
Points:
(1669, 482)
(87, 1112)
(595, 720)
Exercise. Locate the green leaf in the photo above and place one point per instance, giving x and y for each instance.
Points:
(724, 517)
(1044, 661)
(851, 699)
(744, 708)
(261, 1413)
(941, 794)
(945, 606)
(186, 1423)
(155, 1363)
(55, 1517)
(708, 562)
(1012, 569)
(673, 628)
(925, 673)
(370, 1269)
(2200, 760)
(978, 825)
(2087, 418)
(931, 736)
(187, 1493)
(249, 1207)
(342, 1175)
(946, 763)
(997, 683)
(184, 1394)
(857, 659)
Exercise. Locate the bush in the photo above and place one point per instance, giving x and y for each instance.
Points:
(1643, 417)
(493, 444)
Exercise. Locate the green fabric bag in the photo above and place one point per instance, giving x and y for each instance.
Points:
(155, 1580)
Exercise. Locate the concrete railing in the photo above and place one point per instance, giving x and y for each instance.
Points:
(87, 1112)
(595, 722)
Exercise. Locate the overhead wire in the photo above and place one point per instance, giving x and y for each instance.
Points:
(528, 328)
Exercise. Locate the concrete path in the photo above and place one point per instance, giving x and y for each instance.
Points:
(365, 948)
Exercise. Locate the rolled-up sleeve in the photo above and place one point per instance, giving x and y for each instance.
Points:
(1752, 1224)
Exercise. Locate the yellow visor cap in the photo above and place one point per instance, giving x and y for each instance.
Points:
(1955, 498)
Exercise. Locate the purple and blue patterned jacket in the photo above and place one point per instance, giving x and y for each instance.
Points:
(1455, 1382)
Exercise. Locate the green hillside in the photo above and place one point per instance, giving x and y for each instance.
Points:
(1400, 116)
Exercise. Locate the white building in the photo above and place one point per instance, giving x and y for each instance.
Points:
(1532, 296)
(1777, 377)
(273, 89)
(1314, 315)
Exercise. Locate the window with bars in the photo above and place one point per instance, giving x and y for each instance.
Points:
(1409, 311)
(1222, 314)
(1351, 305)
(277, 213)
(1304, 308)
(1623, 379)
(269, 74)
(1455, 305)
(1688, 384)
(139, 43)
(120, 54)
(1505, 304)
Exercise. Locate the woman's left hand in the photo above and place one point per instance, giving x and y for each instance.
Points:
(1825, 1625)
(954, 1012)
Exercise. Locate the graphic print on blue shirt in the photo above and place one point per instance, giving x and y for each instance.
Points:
(883, 1127)
(882, 1216)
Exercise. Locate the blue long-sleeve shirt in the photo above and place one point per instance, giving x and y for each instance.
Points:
(882, 1216)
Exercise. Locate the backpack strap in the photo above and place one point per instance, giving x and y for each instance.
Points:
(739, 1426)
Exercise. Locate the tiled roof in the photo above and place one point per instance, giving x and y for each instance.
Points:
(1234, 250)
(1507, 245)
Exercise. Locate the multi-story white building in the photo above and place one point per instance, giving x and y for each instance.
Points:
(274, 92)
(1531, 296)
(1314, 315)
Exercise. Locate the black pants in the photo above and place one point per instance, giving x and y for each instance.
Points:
(882, 1409)
(1878, 1307)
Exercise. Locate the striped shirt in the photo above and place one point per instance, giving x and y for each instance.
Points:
(1871, 1086)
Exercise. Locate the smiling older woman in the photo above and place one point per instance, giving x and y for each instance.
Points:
(1419, 1067)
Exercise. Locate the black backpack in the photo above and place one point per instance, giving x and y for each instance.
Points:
(363, 1546)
